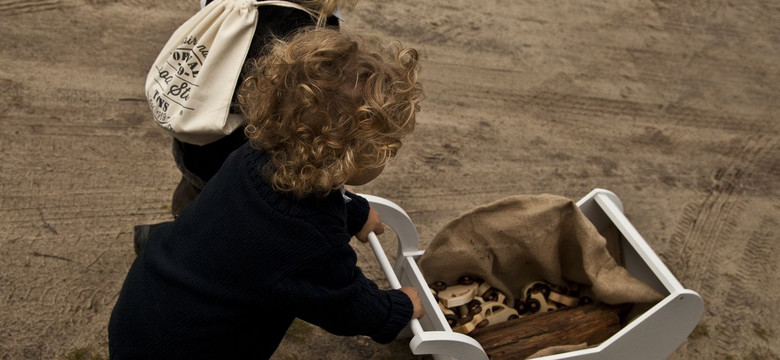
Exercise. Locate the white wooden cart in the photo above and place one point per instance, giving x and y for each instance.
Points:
(654, 334)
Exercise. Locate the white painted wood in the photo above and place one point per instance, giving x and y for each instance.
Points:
(654, 334)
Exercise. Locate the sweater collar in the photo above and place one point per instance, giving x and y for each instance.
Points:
(332, 204)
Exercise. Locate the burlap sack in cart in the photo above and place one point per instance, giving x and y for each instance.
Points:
(521, 239)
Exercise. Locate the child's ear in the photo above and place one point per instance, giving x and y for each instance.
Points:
(365, 176)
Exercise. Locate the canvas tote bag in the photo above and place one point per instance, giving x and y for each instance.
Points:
(190, 86)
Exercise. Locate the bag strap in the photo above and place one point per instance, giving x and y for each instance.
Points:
(287, 4)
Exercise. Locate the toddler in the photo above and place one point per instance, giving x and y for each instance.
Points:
(267, 240)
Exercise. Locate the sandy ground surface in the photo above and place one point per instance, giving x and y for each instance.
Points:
(673, 105)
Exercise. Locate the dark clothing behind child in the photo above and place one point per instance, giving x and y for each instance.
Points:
(226, 279)
(199, 163)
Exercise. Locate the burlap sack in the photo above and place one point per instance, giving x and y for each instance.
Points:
(521, 239)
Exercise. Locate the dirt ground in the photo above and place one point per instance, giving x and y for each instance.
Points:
(673, 105)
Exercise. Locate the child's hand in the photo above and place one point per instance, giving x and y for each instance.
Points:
(414, 296)
(373, 223)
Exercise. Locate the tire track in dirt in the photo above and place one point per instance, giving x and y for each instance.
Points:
(703, 260)
(745, 296)
(734, 73)
(547, 102)
(565, 108)
(187, 5)
(702, 226)
(686, 23)
(16, 7)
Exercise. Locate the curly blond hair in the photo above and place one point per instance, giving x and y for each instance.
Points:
(326, 106)
(325, 8)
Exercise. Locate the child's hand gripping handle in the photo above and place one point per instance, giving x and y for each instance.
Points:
(393, 280)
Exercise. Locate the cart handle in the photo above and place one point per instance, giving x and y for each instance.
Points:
(391, 277)
(451, 344)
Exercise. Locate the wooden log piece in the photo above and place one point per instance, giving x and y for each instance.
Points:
(520, 338)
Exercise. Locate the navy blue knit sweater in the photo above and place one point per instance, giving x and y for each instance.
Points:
(226, 279)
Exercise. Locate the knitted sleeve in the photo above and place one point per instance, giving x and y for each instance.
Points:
(333, 294)
(357, 213)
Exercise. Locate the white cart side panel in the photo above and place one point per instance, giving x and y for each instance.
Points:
(644, 256)
(593, 211)
(437, 339)
(447, 345)
(444, 343)
(654, 334)
(394, 216)
(595, 206)
(410, 275)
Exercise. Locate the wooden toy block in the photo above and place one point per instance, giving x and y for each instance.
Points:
(458, 295)
(473, 307)
(494, 294)
(544, 305)
(483, 288)
(564, 300)
(476, 321)
(540, 286)
(449, 315)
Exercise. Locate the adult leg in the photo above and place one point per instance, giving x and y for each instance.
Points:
(198, 164)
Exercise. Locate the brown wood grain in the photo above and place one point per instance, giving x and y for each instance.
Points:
(517, 339)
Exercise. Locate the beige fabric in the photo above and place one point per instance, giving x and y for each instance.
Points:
(558, 349)
(191, 84)
(520, 239)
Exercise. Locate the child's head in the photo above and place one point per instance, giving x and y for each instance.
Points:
(328, 107)
(326, 8)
